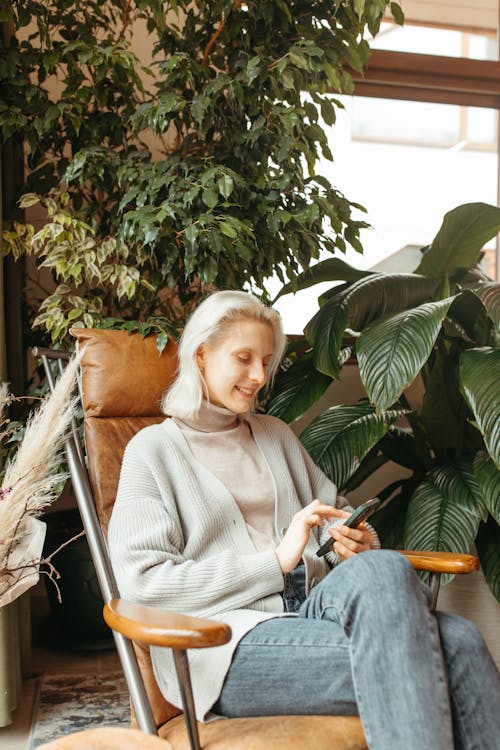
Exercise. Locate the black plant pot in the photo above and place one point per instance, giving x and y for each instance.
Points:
(76, 623)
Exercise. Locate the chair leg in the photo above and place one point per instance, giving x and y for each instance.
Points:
(182, 669)
(435, 580)
(135, 685)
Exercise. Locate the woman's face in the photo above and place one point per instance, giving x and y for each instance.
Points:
(235, 369)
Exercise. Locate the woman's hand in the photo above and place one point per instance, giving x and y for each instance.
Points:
(289, 550)
(349, 542)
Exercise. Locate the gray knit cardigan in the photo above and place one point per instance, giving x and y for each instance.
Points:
(178, 541)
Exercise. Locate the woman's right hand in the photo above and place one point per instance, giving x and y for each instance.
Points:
(289, 551)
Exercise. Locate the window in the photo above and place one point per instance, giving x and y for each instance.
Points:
(419, 137)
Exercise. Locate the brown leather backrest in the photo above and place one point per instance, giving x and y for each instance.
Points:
(123, 378)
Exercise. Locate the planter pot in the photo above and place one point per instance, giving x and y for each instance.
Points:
(76, 623)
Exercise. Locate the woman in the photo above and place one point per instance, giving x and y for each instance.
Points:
(220, 513)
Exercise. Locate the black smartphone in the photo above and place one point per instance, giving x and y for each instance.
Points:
(358, 516)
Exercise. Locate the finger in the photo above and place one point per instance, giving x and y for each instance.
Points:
(326, 511)
(339, 513)
(342, 551)
(358, 534)
(315, 519)
(348, 542)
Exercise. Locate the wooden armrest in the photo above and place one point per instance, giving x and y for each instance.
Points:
(157, 627)
(441, 562)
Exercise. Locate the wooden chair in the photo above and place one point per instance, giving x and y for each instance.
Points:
(122, 380)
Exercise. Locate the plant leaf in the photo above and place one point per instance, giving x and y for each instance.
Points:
(300, 387)
(460, 239)
(331, 269)
(488, 479)
(489, 294)
(443, 410)
(444, 513)
(392, 352)
(389, 520)
(488, 549)
(356, 306)
(328, 340)
(370, 464)
(480, 376)
(470, 318)
(400, 446)
(339, 439)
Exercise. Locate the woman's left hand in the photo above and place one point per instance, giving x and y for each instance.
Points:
(349, 542)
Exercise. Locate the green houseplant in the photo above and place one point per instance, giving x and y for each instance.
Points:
(192, 169)
(440, 325)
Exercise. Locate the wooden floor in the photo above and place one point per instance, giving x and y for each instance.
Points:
(48, 661)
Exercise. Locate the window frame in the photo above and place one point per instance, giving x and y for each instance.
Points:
(433, 78)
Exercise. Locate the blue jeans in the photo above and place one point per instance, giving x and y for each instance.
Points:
(366, 642)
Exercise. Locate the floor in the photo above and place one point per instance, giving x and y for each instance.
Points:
(45, 660)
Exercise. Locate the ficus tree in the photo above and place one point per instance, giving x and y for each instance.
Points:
(192, 169)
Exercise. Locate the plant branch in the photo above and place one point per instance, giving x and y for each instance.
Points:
(217, 33)
(126, 17)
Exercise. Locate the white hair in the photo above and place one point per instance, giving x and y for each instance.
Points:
(208, 325)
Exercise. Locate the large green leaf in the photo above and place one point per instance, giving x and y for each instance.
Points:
(370, 464)
(488, 479)
(400, 446)
(462, 235)
(325, 333)
(443, 411)
(297, 389)
(490, 297)
(339, 439)
(355, 307)
(488, 549)
(331, 269)
(444, 512)
(389, 520)
(468, 319)
(392, 352)
(480, 377)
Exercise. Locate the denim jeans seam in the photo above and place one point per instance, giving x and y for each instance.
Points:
(343, 618)
(438, 658)
(360, 703)
(468, 741)
(286, 644)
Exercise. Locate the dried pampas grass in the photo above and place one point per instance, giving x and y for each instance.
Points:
(33, 477)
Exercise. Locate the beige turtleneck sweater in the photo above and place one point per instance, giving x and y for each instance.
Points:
(218, 432)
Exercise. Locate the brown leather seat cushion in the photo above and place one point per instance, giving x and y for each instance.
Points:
(123, 380)
(272, 733)
(108, 738)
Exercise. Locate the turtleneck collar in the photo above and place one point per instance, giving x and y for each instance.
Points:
(213, 418)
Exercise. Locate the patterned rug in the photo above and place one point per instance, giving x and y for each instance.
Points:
(70, 703)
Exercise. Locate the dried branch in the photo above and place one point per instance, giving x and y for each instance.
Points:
(32, 478)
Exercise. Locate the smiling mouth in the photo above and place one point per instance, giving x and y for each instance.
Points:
(245, 391)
